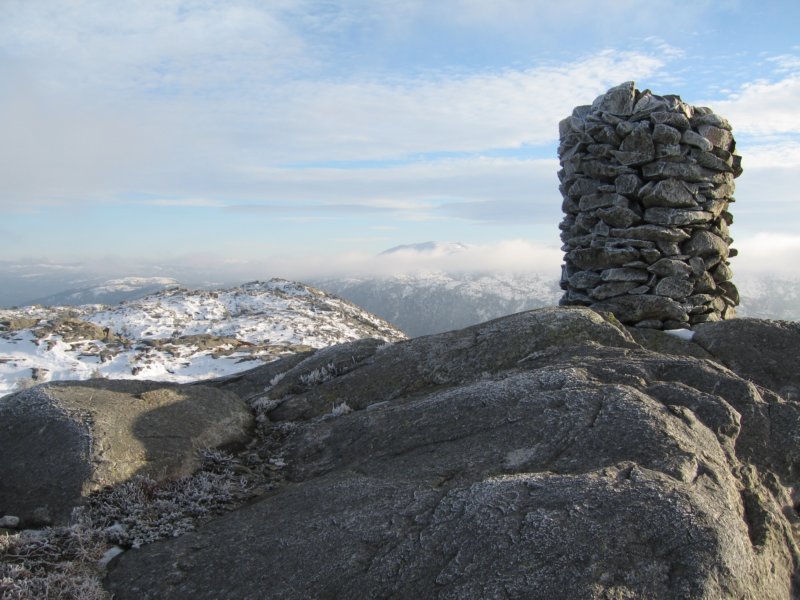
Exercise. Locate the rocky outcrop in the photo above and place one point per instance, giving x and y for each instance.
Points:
(60, 442)
(549, 454)
(763, 351)
(646, 182)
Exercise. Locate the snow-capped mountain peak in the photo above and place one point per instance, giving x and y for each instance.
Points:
(428, 248)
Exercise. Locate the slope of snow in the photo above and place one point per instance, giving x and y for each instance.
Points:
(131, 284)
(176, 334)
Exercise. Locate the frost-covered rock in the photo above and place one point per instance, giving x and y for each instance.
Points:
(550, 454)
(60, 442)
(766, 352)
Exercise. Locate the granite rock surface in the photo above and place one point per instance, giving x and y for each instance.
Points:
(552, 453)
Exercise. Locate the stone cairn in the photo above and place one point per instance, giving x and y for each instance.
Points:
(646, 182)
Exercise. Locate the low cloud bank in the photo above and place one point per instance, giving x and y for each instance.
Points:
(764, 254)
(767, 253)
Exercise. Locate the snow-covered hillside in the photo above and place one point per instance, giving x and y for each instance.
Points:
(432, 302)
(112, 291)
(177, 334)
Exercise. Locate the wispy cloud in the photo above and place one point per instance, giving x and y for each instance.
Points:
(178, 100)
(764, 108)
(370, 119)
(359, 115)
(182, 202)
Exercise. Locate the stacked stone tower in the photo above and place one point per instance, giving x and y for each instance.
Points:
(646, 182)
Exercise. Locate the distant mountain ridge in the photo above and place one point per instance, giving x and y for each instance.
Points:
(112, 291)
(433, 302)
(769, 297)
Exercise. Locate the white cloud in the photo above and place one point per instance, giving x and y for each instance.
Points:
(182, 202)
(768, 253)
(461, 113)
(182, 99)
(767, 192)
(606, 20)
(412, 186)
(504, 256)
(507, 256)
(771, 152)
(212, 104)
(172, 46)
(764, 108)
(786, 62)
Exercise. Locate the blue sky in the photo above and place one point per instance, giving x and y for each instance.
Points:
(301, 137)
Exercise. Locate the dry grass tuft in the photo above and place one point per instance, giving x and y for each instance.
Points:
(55, 563)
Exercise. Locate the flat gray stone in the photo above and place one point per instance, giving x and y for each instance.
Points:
(671, 193)
(665, 134)
(617, 216)
(602, 169)
(614, 288)
(662, 215)
(719, 137)
(584, 279)
(673, 119)
(617, 101)
(763, 351)
(651, 233)
(632, 309)
(692, 138)
(710, 161)
(674, 287)
(627, 184)
(590, 202)
(705, 244)
(667, 267)
(594, 259)
(624, 274)
(665, 169)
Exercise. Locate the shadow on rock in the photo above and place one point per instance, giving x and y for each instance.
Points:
(60, 442)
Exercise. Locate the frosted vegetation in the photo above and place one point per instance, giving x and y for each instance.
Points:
(67, 563)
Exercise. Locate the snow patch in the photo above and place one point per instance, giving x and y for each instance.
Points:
(684, 334)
